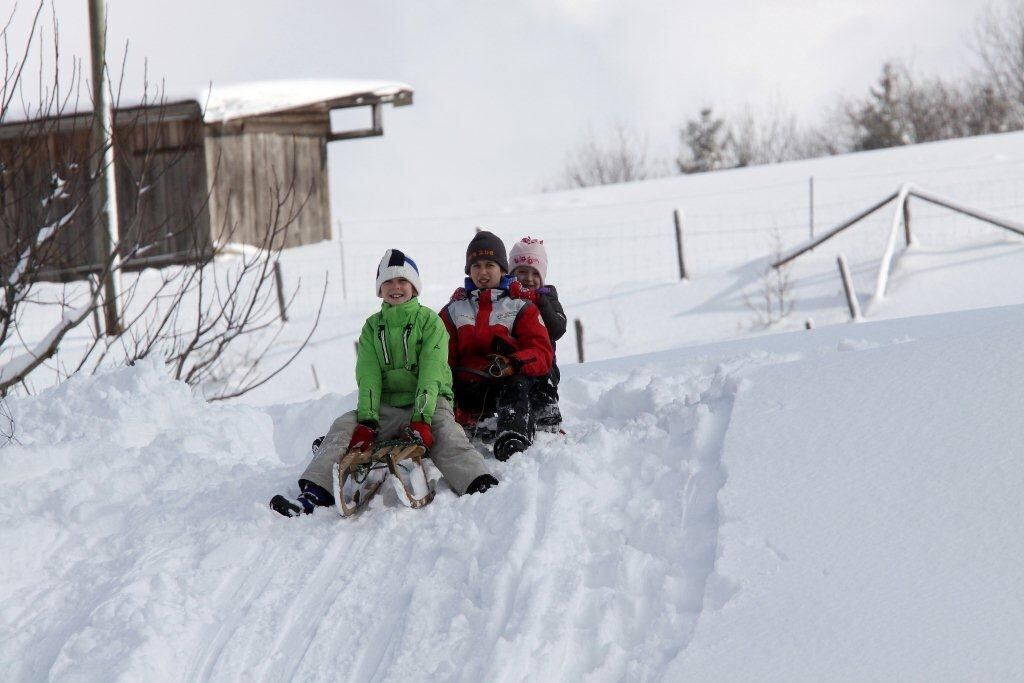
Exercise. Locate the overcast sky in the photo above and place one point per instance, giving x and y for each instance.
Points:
(505, 89)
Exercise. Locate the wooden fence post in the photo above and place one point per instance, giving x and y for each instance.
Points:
(851, 294)
(279, 281)
(906, 219)
(94, 285)
(341, 248)
(579, 340)
(812, 207)
(107, 235)
(678, 218)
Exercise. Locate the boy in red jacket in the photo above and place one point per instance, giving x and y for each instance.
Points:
(498, 347)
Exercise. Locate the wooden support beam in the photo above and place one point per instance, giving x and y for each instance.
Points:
(807, 246)
(1012, 226)
(377, 128)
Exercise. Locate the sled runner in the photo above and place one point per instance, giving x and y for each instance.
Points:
(360, 474)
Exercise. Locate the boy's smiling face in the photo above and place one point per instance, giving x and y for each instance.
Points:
(485, 274)
(397, 291)
(527, 276)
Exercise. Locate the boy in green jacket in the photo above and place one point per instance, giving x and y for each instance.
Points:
(405, 391)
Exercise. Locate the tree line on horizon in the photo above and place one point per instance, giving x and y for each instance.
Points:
(900, 108)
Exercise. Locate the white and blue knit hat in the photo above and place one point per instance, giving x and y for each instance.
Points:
(396, 264)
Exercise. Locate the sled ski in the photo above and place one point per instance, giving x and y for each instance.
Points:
(356, 479)
(359, 475)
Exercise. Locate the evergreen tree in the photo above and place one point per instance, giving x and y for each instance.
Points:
(706, 142)
(879, 121)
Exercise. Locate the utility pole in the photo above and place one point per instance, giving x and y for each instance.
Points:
(104, 183)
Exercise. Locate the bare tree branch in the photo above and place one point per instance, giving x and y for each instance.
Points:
(194, 316)
(620, 156)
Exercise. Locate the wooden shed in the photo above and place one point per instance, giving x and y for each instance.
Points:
(227, 164)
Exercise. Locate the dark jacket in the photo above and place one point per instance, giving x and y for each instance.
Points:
(552, 313)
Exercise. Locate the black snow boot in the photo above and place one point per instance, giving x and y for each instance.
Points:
(544, 403)
(547, 416)
(481, 484)
(508, 444)
(312, 497)
(283, 506)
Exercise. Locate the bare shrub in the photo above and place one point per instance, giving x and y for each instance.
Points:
(766, 136)
(999, 43)
(618, 156)
(771, 299)
(211, 320)
(7, 425)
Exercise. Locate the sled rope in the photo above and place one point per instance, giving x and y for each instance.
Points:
(362, 471)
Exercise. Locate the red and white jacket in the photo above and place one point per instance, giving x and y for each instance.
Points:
(489, 321)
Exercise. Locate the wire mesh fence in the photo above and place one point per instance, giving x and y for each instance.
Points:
(632, 239)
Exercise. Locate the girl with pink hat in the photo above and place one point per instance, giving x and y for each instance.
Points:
(528, 262)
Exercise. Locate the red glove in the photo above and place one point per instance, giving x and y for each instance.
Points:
(459, 294)
(420, 431)
(362, 438)
(517, 291)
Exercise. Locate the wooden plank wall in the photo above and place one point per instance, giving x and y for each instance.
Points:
(168, 165)
(230, 182)
(44, 177)
(263, 179)
(164, 158)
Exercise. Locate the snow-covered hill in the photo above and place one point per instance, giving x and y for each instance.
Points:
(730, 502)
(840, 504)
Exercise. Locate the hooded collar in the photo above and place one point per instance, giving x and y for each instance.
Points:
(401, 312)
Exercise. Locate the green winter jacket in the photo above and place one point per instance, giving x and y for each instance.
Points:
(403, 361)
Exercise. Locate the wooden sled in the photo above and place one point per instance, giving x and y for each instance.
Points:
(360, 474)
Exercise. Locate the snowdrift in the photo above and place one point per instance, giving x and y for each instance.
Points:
(841, 503)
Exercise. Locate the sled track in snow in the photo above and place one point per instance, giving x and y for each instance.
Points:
(608, 536)
(259, 568)
(618, 531)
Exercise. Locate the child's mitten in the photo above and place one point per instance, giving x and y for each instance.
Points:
(420, 431)
(363, 437)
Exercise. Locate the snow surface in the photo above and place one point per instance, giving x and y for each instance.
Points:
(226, 102)
(237, 100)
(730, 502)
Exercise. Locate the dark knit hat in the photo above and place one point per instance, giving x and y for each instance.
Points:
(486, 246)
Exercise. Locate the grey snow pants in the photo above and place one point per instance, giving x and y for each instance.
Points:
(452, 453)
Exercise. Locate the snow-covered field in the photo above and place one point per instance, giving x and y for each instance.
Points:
(730, 502)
